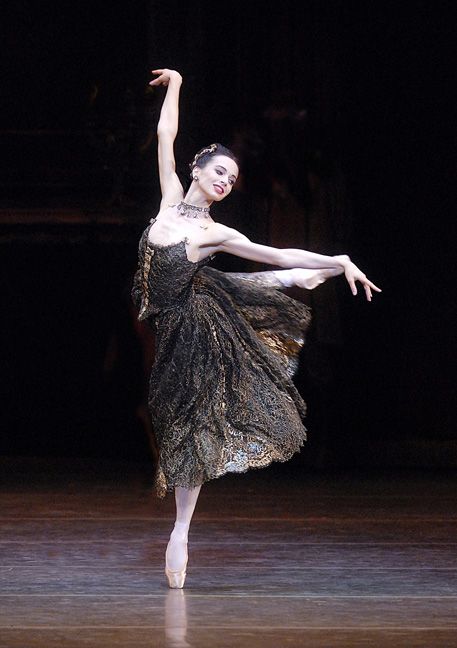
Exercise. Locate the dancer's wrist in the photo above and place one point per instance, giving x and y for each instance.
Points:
(343, 260)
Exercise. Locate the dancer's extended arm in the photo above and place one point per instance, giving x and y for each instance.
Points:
(167, 129)
(226, 239)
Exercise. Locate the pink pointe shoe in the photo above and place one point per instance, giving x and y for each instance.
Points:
(176, 577)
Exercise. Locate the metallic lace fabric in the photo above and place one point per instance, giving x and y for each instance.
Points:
(221, 394)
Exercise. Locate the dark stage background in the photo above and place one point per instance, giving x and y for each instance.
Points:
(342, 115)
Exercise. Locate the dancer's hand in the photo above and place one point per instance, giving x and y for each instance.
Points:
(165, 76)
(353, 274)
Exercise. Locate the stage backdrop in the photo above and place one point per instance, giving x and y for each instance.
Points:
(342, 117)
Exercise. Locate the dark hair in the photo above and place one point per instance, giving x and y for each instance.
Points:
(205, 154)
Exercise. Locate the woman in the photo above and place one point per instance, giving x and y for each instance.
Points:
(221, 395)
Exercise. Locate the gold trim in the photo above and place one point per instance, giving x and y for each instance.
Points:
(149, 253)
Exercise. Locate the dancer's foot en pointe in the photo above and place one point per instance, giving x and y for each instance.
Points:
(176, 556)
(306, 277)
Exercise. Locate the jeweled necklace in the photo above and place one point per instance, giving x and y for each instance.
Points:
(192, 211)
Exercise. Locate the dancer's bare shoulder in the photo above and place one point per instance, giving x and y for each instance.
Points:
(215, 237)
(220, 238)
(216, 234)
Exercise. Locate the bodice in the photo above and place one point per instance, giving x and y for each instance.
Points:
(164, 277)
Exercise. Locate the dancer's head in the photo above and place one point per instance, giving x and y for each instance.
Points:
(215, 170)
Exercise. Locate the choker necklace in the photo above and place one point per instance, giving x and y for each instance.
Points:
(192, 211)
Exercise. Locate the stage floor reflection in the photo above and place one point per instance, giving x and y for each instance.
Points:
(277, 557)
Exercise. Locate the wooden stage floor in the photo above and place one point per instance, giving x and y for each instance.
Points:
(276, 559)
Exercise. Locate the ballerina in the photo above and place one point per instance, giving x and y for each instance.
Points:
(221, 394)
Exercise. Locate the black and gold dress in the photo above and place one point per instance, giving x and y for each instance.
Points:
(221, 394)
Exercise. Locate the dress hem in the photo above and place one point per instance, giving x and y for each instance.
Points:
(163, 486)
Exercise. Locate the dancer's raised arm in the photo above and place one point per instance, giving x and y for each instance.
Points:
(167, 129)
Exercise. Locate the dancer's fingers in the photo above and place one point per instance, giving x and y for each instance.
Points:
(161, 80)
(372, 285)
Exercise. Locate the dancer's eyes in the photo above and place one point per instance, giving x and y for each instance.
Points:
(231, 180)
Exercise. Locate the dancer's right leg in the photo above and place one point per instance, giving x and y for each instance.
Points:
(176, 555)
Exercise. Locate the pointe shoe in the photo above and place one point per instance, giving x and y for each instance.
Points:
(176, 577)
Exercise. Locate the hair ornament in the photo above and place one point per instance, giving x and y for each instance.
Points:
(209, 149)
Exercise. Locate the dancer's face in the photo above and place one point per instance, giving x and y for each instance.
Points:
(217, 177)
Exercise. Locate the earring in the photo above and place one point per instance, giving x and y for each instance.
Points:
(195, 178)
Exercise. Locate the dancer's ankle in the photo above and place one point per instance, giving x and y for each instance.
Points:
(180, 531)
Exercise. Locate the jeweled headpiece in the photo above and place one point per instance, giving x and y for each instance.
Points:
(209, 149)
